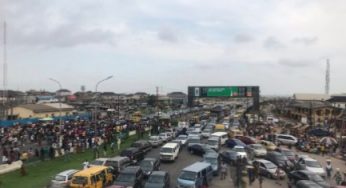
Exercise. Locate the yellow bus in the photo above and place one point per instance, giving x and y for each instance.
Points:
(93, 177)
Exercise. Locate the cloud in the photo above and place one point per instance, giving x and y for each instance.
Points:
(305, 40)
(272, 43)
(168, 35)
(294, 63)
(243, 38)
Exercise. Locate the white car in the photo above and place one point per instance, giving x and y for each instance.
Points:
(240, 151)
(286, 139)
(268, 169)
(312, 165)
(63, 178)
(257, 150)
(155, 141)
(206, 133)
(183, 139)
(194, 134)
(165, 137)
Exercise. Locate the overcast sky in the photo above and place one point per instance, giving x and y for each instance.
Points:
(280, 46)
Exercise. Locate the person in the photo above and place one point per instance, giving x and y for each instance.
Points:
(251, 175)
(322, 150)
(329, 168)
(260, 181)
(23, 170)
(119, 143)
(85, 164)
(277, 174)
(223, 170)
(337, 177)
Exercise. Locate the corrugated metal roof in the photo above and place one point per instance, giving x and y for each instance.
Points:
(310, 97)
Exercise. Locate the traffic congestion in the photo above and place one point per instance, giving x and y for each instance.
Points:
(212, 148)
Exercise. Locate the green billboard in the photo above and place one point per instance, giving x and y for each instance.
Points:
(222, 91)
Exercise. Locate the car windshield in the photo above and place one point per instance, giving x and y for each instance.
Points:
(181, 137)
(146, 164)
(186, 175)
(211, 160)
(239, 149)
(80, 180)
(154, 138)
(270, 165)
(156, 179)
(97, 163)
(315, 178)
(288, 153)
(281, 157)
(257, 146)
(59, 178)
(207, 130)
(212, 142)
(194, 141)
(166, 150)
(126, 178)
(313, 164)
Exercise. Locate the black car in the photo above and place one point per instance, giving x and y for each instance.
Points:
(131, 176)
(200, 149)
(307, 184)
(288, 153)
(230, 157)
(158, 179)
(142, 145)
(149, 165)
(298, 175)
(133, 153)
(280, 160)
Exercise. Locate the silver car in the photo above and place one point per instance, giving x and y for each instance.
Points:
(62, 179)
(256, 150)
(155, 141)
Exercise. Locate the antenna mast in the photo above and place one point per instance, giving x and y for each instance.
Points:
(327, 78)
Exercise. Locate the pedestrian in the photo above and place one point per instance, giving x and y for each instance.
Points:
(337, 176)
(223, 170)
(105, 149)
(23, 170)
(277, 174)
(119, 143)
(329, 169)
(250, 173)
(42, 154)
(323, 150)
(260, 181)
(85, 164)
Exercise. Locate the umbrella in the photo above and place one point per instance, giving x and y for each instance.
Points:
(328, 140)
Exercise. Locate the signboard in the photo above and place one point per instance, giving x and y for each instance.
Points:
(197, 91)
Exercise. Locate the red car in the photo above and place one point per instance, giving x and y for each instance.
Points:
(247, 139)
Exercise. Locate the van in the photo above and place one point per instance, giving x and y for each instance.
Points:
(221, 135)
(214, 142)
(63, 179)
(195, 175)
(95, 177)
(169, 152)
(286, 139)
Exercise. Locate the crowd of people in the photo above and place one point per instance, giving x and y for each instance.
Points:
(47, 140)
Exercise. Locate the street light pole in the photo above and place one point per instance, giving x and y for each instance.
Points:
(59, 98)
(97, 85)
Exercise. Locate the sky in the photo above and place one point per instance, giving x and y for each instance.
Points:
(281, 46)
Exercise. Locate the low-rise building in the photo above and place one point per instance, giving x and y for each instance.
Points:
(41, 110)
(338, 101)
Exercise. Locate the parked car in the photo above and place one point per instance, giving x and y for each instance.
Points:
(142, 145)
(133, 153)
(158, 179)
(240, 151)
(62, 179)
(312, 165)
(207, 132)
(155, 141)
(279, 160)
(256, 150)
(200, 149)
(270, 146)
(306, 184)
(286, 139)
(214, 160)
(165, 137)
(234, 142)
(298, 175)
(149, 164)
(267, 168)
(229, 156)
(117, 163)
(183, 139)
(288, 153)
(246, 139)
(131, 176)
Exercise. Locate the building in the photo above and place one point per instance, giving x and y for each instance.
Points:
(338, 101)
(41, 110)
(177, 98)
(310, 97)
